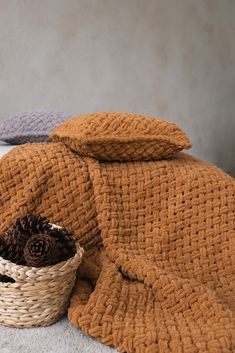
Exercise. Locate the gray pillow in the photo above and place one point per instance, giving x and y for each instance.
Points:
(30, 127)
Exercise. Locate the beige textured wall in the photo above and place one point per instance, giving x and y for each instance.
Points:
(170, 58)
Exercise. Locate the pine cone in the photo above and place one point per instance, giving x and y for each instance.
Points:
(33, 241)
(15, 238)
(6, 279)
(66, 242)
(11, 247)
(30, 224)
(41, 250)
(2, 246)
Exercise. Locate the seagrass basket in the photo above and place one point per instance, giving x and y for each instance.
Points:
(40, 295)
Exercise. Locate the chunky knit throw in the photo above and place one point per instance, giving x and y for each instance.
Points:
(158, 272)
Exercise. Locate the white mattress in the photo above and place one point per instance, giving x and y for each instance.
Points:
(4, 148)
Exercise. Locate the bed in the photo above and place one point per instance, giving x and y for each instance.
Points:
(156, 224)
(4, 148)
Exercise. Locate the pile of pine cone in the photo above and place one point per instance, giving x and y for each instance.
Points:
(33, 241)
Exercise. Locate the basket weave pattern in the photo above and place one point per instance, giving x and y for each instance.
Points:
(39, 296)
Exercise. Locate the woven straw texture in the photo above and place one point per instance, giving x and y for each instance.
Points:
(30, 127)
(158, 270)
(39, 296)
(121, 136)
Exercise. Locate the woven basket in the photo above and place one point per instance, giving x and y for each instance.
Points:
(40, 295)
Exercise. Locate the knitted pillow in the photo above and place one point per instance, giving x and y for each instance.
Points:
(29, 127)
(121, 136)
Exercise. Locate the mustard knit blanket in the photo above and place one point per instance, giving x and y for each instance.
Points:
(158, 271)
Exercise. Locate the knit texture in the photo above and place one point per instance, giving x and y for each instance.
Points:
(121, 136)
(158, 271)
(29, 127)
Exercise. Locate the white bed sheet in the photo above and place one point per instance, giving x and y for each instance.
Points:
(4, 148)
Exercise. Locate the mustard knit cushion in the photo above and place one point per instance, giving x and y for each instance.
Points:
(121, 136)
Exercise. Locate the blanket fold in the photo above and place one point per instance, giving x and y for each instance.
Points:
(158, 270)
